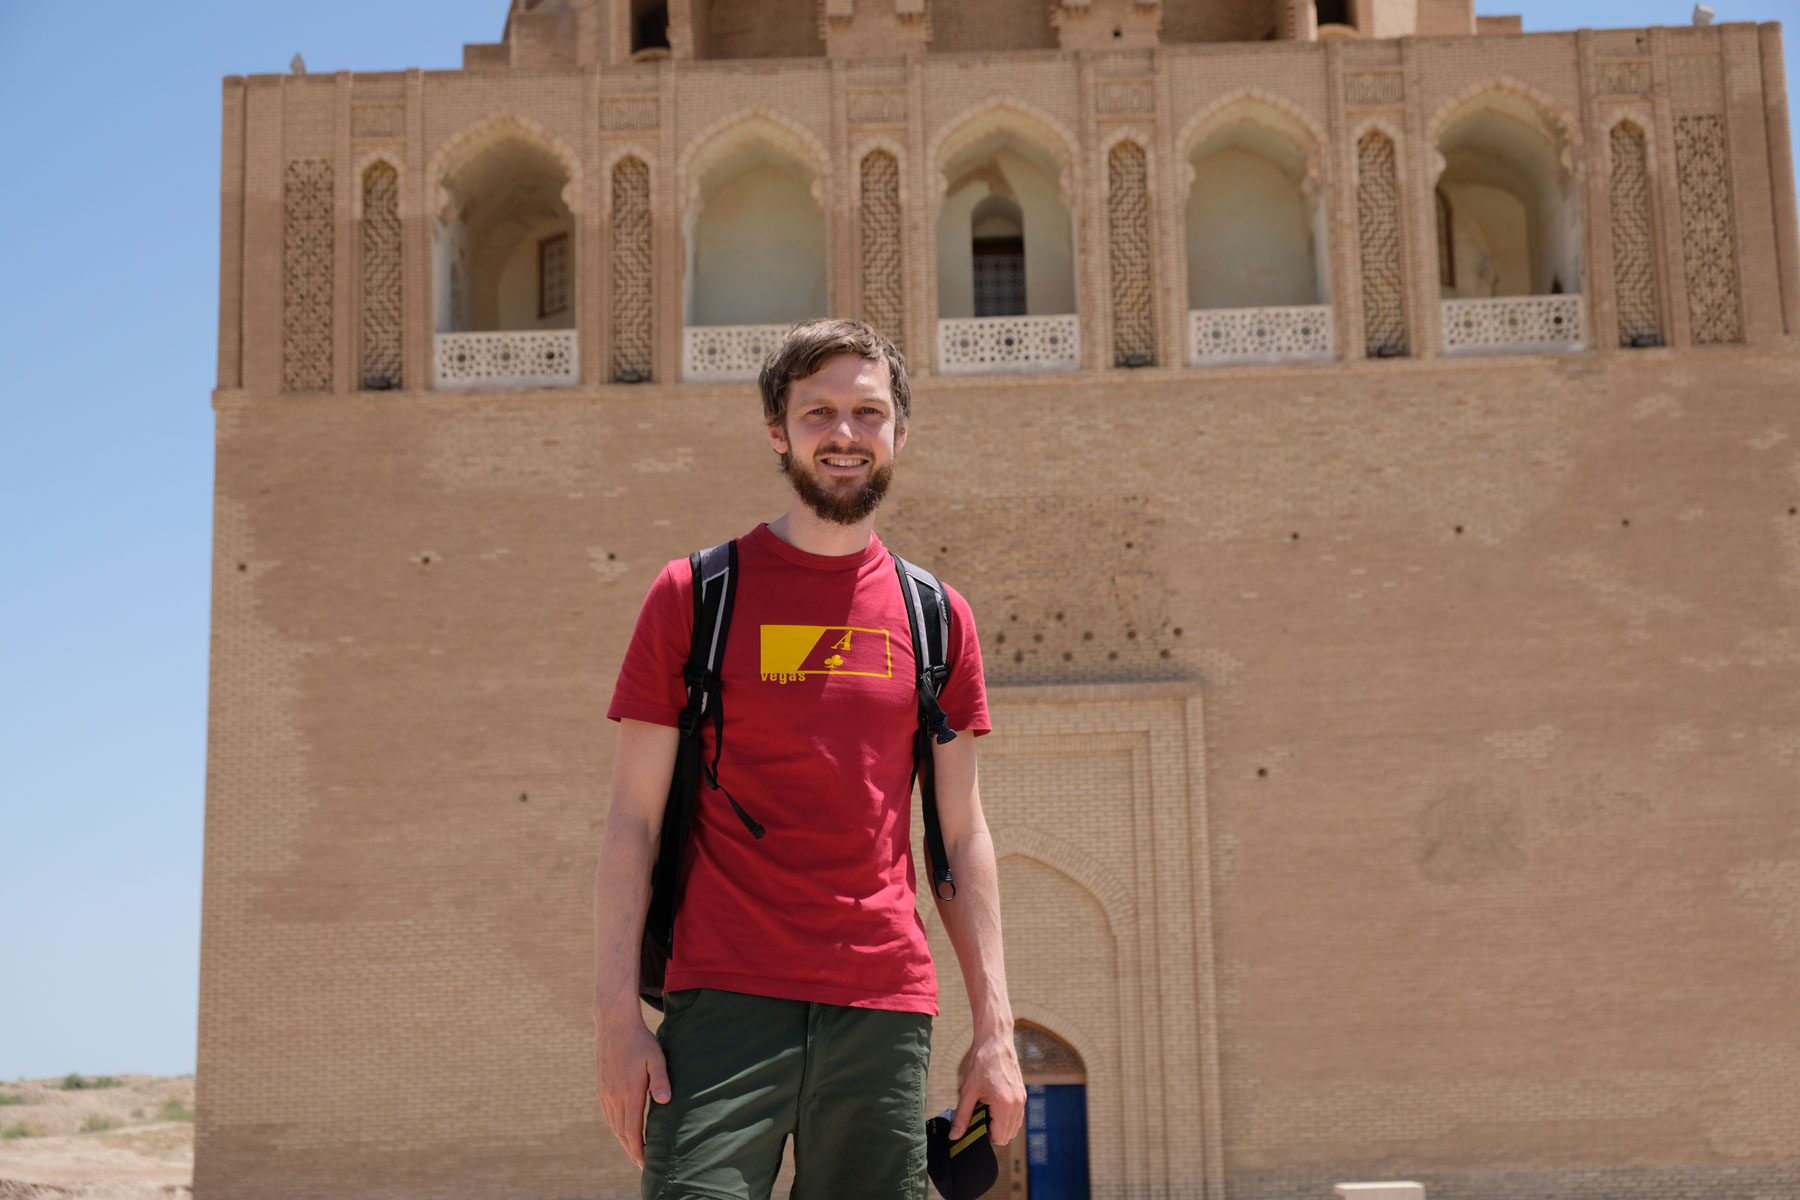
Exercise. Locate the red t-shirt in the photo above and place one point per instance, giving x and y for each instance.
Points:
(820, 708)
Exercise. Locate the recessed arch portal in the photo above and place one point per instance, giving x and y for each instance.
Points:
(1510, 212)
(1003, 168)
(755, 226)
(1254, 220)
(503, 254)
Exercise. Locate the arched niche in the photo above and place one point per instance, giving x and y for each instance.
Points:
(503, 253)
(1254, 220)
(1508, 216)
(995, 175)
(756, 238)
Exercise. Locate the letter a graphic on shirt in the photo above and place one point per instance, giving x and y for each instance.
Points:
(796, 651)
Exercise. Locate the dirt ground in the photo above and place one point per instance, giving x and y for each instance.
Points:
(130, 1141)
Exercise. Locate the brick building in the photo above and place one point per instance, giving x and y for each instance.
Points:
(1365, 432)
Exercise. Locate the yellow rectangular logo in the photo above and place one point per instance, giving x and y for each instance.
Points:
(792, 652)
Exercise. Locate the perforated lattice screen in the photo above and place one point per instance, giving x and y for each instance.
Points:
(380, 366)
(1128, 226)
(1708, 242)
(1042, 1052)
(1378, 235)
(883, 293)
(631, 291)
(306, 266)
(1633, 241)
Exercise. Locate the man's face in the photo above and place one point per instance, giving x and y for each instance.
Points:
(840, 437)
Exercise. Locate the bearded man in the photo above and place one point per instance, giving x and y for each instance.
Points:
(800, 992)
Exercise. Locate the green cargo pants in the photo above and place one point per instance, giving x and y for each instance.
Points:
(747, 1072)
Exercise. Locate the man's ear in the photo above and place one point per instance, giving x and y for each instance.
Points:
(899, 438)
(778, 437)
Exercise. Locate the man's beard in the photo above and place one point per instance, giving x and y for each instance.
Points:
(835, 505)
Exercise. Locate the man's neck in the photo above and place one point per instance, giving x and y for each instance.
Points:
(803, 529)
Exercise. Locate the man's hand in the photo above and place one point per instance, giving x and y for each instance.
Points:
(991, 1073)
(627, 1063)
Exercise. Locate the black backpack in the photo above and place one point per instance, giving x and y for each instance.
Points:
(715, 586)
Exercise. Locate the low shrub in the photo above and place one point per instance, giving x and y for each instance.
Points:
(97, 1123)
(18, 1129)
(174, 1110)
(7, 1098)
(73, 1082)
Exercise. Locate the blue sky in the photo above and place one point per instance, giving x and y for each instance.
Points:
(112, 129)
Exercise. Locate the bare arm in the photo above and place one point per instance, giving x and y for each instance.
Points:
(972, 919)
(627, 1061)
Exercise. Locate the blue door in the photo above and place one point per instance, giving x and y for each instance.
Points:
(1056, 1146)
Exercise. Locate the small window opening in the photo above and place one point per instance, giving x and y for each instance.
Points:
(1333, 12)
(997, 246)
(649, 27)
(553, 275)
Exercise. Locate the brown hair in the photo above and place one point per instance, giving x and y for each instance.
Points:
(804, 350)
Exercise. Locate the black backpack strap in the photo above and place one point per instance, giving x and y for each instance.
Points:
(715, 586)
(928, 617)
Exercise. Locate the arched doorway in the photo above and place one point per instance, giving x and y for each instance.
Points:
(1050, 1162)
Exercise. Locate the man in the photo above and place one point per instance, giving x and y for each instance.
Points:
(801, 990)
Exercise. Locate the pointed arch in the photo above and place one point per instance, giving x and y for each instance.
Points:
(1504, 158)
(1025, 121)
(1065, 858)
(756, 191)
(459, 150)
(1517, 99)
(1259, 106)
(714, 145)
(1254, 219)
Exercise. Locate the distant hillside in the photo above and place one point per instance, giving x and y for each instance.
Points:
(129, 1137)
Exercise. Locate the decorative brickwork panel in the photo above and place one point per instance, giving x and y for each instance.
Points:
(1708, 242)
(628, 112)
(1633, 240)
(883, 301)
(378, 120)
(380, 367)
(1366, 88)
(1628, 78)
(885, 107)
(1128, 227)
(631, 270)
(1378, 235)
(1124, 97)
(1695, 84)
(306, 276)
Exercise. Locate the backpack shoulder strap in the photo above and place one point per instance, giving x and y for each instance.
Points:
(928, 617)
(715, 588)
(928, 614)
